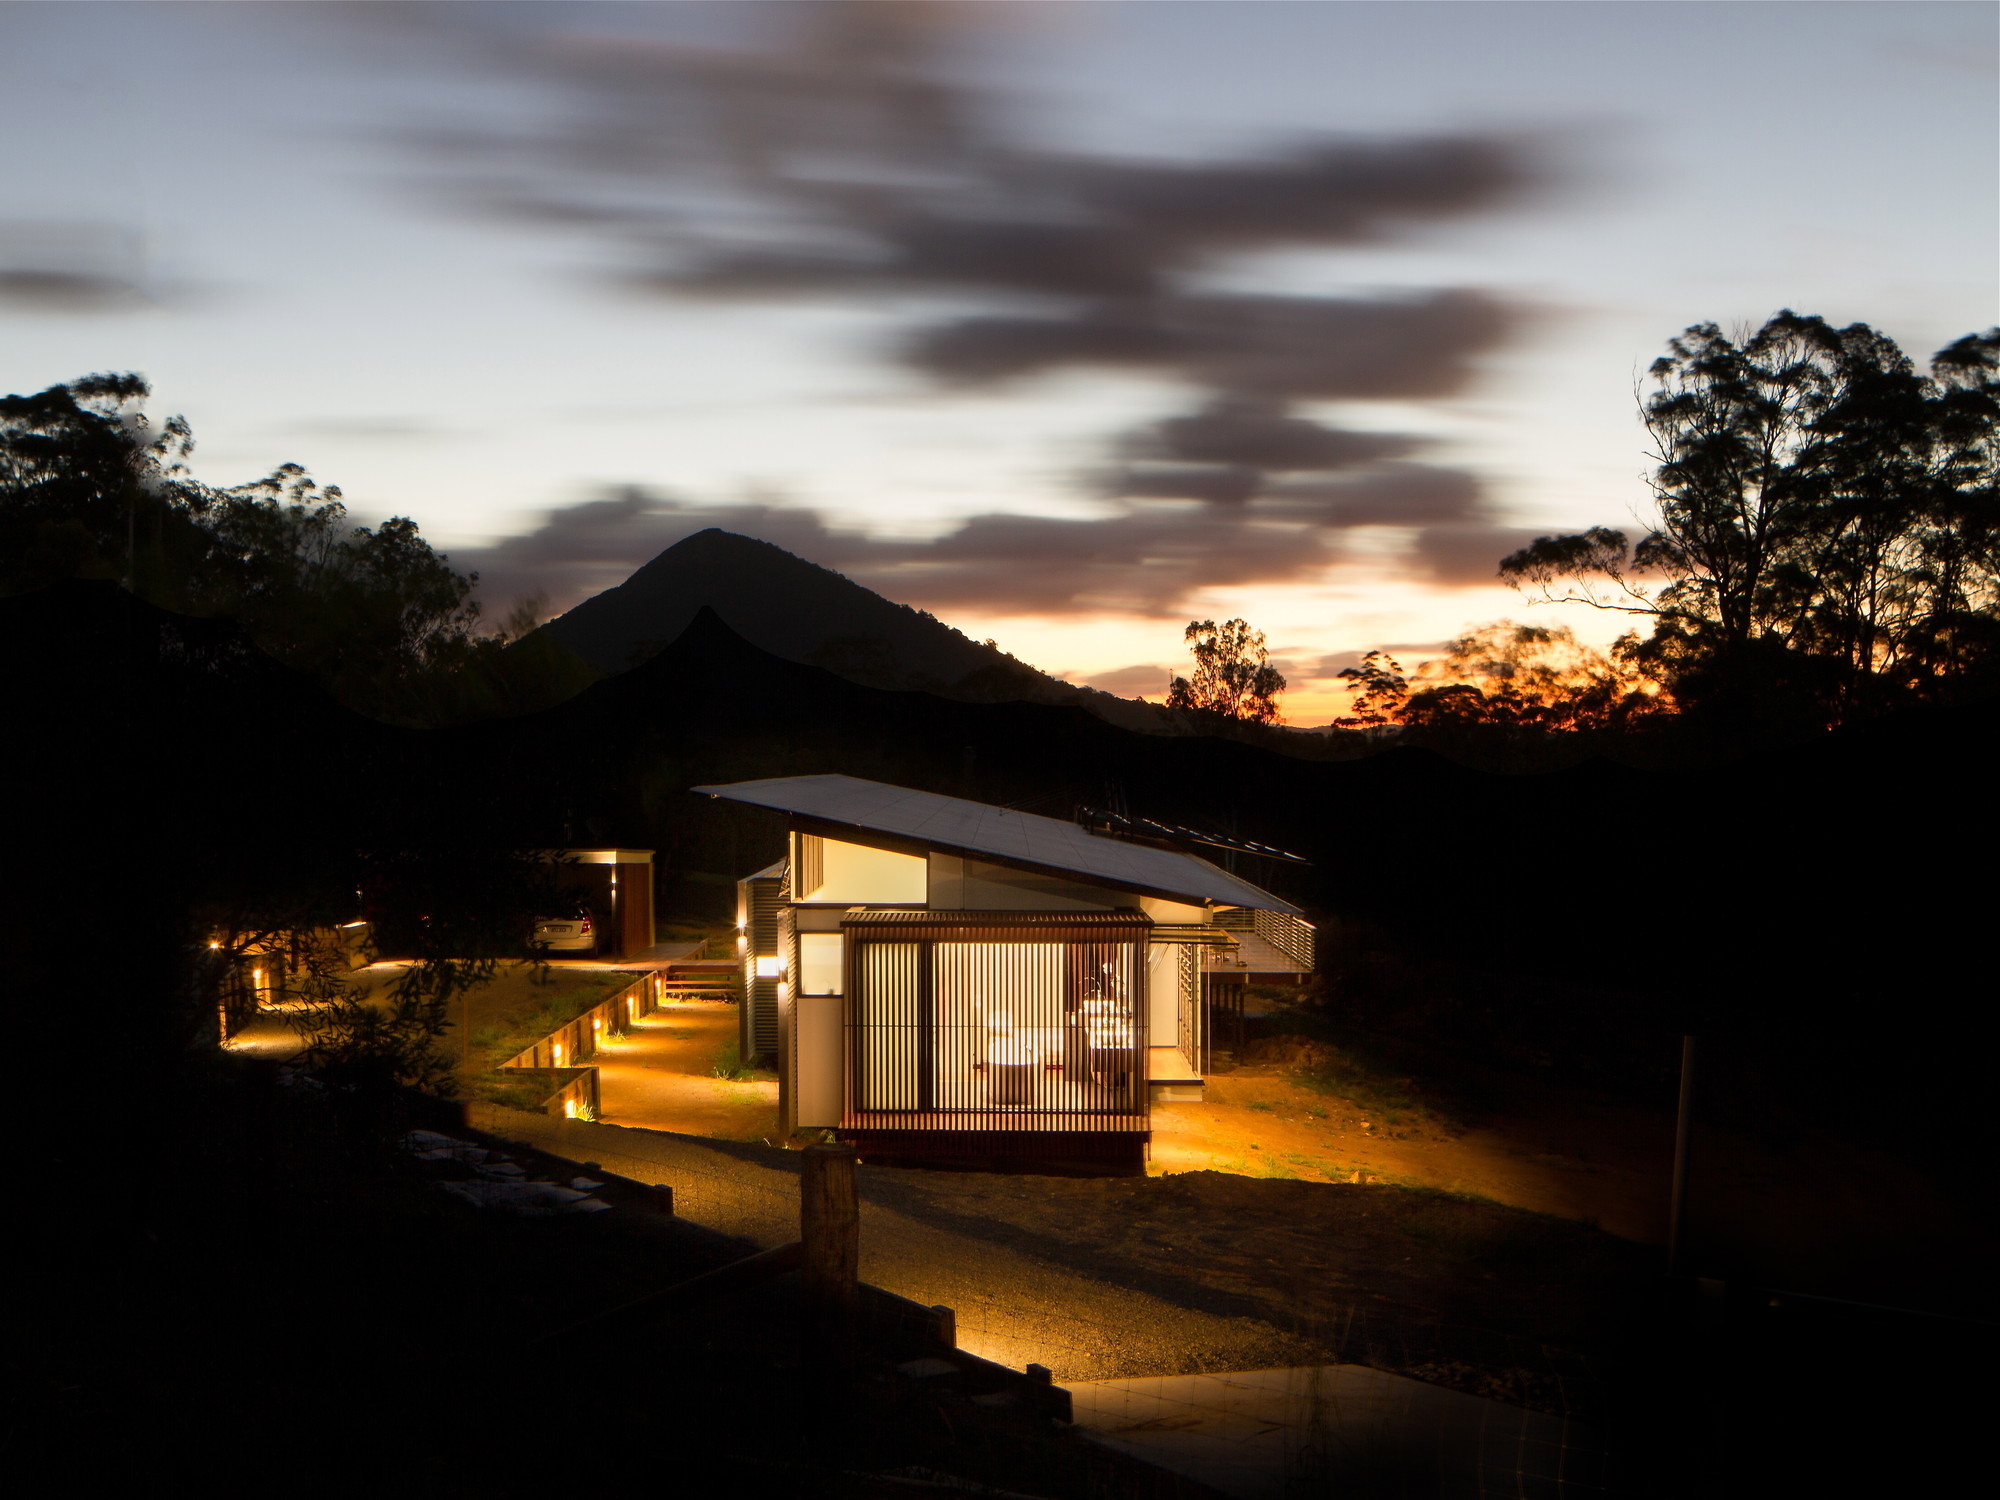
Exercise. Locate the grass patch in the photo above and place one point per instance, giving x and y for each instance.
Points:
(519, 1007)
(1335, 1062)
(522, 1088)
(1339, 1074)
(1477, 1231)
(731, 1065)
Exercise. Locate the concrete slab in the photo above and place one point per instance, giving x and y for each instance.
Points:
(1340, 1430)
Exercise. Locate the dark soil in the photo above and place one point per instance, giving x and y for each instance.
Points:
(1495, 1300)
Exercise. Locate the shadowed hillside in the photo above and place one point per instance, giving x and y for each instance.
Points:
(1808, 909)
(1817, 912)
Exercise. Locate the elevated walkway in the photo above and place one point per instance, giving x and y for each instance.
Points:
(1252, 959)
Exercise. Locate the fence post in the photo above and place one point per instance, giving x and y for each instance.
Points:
(944, 1327)
(830, 1226)
(1055, 1401)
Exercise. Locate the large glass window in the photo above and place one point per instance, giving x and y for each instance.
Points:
(831, 870)
(1008, 1026)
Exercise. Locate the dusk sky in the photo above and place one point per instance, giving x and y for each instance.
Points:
(1069, 322)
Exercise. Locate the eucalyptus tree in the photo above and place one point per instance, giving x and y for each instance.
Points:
(1233, 675)
(91, 487)
(1827, 532)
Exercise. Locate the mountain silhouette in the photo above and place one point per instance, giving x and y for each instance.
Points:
(772, 598)
(806, 613)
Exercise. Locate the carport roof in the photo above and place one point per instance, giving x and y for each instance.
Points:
(956, 825)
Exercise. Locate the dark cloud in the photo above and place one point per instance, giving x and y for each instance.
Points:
(1311, 348)
(837, 153)
(1132, 682)
(1468, 554)
(69, 268)
(67, 291)
(1351, 192)
(844, 155)
(1145, 560)
(1101, 228)
(1392, 495)
(1258, 433)
(1218, 484)
(583, 549)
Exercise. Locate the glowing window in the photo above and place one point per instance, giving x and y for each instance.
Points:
(819, 963)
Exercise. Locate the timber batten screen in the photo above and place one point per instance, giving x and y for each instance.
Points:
(984, 1021)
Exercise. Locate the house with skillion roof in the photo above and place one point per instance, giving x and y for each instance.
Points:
(960, 983)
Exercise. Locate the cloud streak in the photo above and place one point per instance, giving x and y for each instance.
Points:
(1146, 558)
(843, 159)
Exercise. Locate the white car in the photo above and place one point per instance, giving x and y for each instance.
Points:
(566, 934)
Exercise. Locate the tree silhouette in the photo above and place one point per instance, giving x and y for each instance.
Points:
(1381, 688)
(1233, 675)
(1828, 533)
(89, 487)
(1528, 677)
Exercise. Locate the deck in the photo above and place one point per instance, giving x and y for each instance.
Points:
(1250, 955)
(1171, 1078)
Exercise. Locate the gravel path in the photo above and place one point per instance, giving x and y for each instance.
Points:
(1011, 1305)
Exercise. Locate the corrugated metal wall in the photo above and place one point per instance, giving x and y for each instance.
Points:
(757, 905)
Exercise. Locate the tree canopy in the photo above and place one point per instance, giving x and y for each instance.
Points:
(1828, 535)
(1527, 676)
(1233, 675)
(90, 487)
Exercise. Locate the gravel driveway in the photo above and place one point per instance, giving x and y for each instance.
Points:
(1011, 1305)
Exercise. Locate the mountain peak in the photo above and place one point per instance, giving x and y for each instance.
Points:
(772, 598)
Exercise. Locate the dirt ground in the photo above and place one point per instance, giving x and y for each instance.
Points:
(1580, 1159)
(1470, 1294)
(1257, 1121)
(661, 1076)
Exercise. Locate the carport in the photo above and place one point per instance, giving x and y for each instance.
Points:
(617, 887)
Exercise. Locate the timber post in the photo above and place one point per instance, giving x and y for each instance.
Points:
(944, 1327)
(830, 1226)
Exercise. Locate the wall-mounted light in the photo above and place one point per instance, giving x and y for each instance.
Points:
(770, 966)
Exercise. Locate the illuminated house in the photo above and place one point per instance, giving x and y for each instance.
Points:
(957, 982)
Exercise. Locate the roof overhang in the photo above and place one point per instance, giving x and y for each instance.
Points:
(815, 805)
(874, 838)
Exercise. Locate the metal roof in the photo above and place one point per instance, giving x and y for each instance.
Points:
(956, 825)
(1124, 919)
